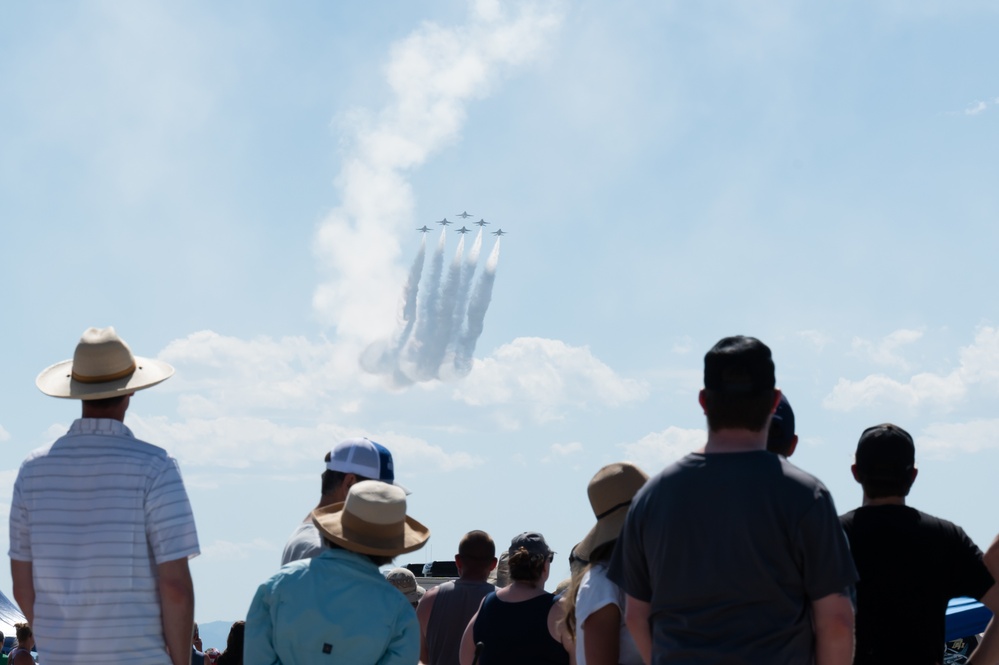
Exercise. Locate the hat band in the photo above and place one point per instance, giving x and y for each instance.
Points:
(382, 536)
(104, 378)
(611, 510)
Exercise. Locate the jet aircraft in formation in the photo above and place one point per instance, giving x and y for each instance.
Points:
(463, 230)
(463, 215)
(423, 229)
(481, 222)
(499, 232)
(444, 222)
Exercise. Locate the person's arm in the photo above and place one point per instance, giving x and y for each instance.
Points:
(24, 588)
(559, 631)
(832, 616)
(423, 611)
(177, 605)
(602, 636)
(466, 652)
(636, 617)
(987, 651)
(258, 634)
(404, 645)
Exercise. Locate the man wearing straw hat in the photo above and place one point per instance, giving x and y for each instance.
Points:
(100, 524)
(336, 607)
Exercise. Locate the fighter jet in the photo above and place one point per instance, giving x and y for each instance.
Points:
(499, 232)
(463, 230)
(444, 222)
(463, 215)
(481, 222)
(423, 229)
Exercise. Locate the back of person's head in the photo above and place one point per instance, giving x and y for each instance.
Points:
(529, 553)
(23, 633)
(885, 460)
(477, 554)
(501, 573)
(782, 439)
(739, 384)
(234, 645)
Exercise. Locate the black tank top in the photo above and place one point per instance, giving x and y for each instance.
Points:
(517, 633)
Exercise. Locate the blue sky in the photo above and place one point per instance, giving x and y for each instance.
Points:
(235, 188)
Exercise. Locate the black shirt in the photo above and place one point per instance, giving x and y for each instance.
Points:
(911, 564)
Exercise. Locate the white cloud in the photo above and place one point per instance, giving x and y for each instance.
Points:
(978, 368)
(816, 338)
(219, 375)
(224, 550)
(547, 377)
(657, 449)
(433, 74)
(942, 440)
(975, 108)
(885, 352)
(561, 451)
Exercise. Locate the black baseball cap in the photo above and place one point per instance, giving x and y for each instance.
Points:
(781, 426)
(739, 366)
(886, 452)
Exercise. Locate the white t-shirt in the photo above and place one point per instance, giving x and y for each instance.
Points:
(596, 592)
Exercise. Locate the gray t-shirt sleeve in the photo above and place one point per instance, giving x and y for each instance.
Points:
(826, 563)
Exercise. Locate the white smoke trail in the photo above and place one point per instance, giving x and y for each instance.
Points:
(432, 353)
(466, 283)
(433, 73)
(382, 356)
(477, 306)
(425, 331)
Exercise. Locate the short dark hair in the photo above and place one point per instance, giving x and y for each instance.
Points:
(377, 559)
(106, 402)
(477, 545)
(886, 456)
(733, 411)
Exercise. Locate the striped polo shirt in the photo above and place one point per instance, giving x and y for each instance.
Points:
(94, 513)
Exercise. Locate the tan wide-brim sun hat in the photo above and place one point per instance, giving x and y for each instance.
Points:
(103, 366)
(372, 520)
(611, 492)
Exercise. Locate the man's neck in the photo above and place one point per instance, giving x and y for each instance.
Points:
(735, 441)
(884, 501)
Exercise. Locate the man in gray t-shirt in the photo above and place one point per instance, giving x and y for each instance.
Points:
(733, 554)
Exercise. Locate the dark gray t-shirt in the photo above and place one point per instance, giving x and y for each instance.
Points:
(730, 549)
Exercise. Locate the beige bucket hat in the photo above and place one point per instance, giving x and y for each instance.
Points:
(611, 492)
(372, 520)
(404, 580)
(102, 366)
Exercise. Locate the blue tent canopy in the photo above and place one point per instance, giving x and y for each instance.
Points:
(965, 617)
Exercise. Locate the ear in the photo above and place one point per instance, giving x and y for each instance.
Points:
(701, 401)
(348, 481)
(915, 472)
(856, 476)
(493, 566)
(777, 395)
(794, 444)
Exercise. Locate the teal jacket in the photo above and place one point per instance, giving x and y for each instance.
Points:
(334, 608)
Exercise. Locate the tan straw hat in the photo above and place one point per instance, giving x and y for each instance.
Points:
(102, 366)
(611, 492)
(372, 520)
